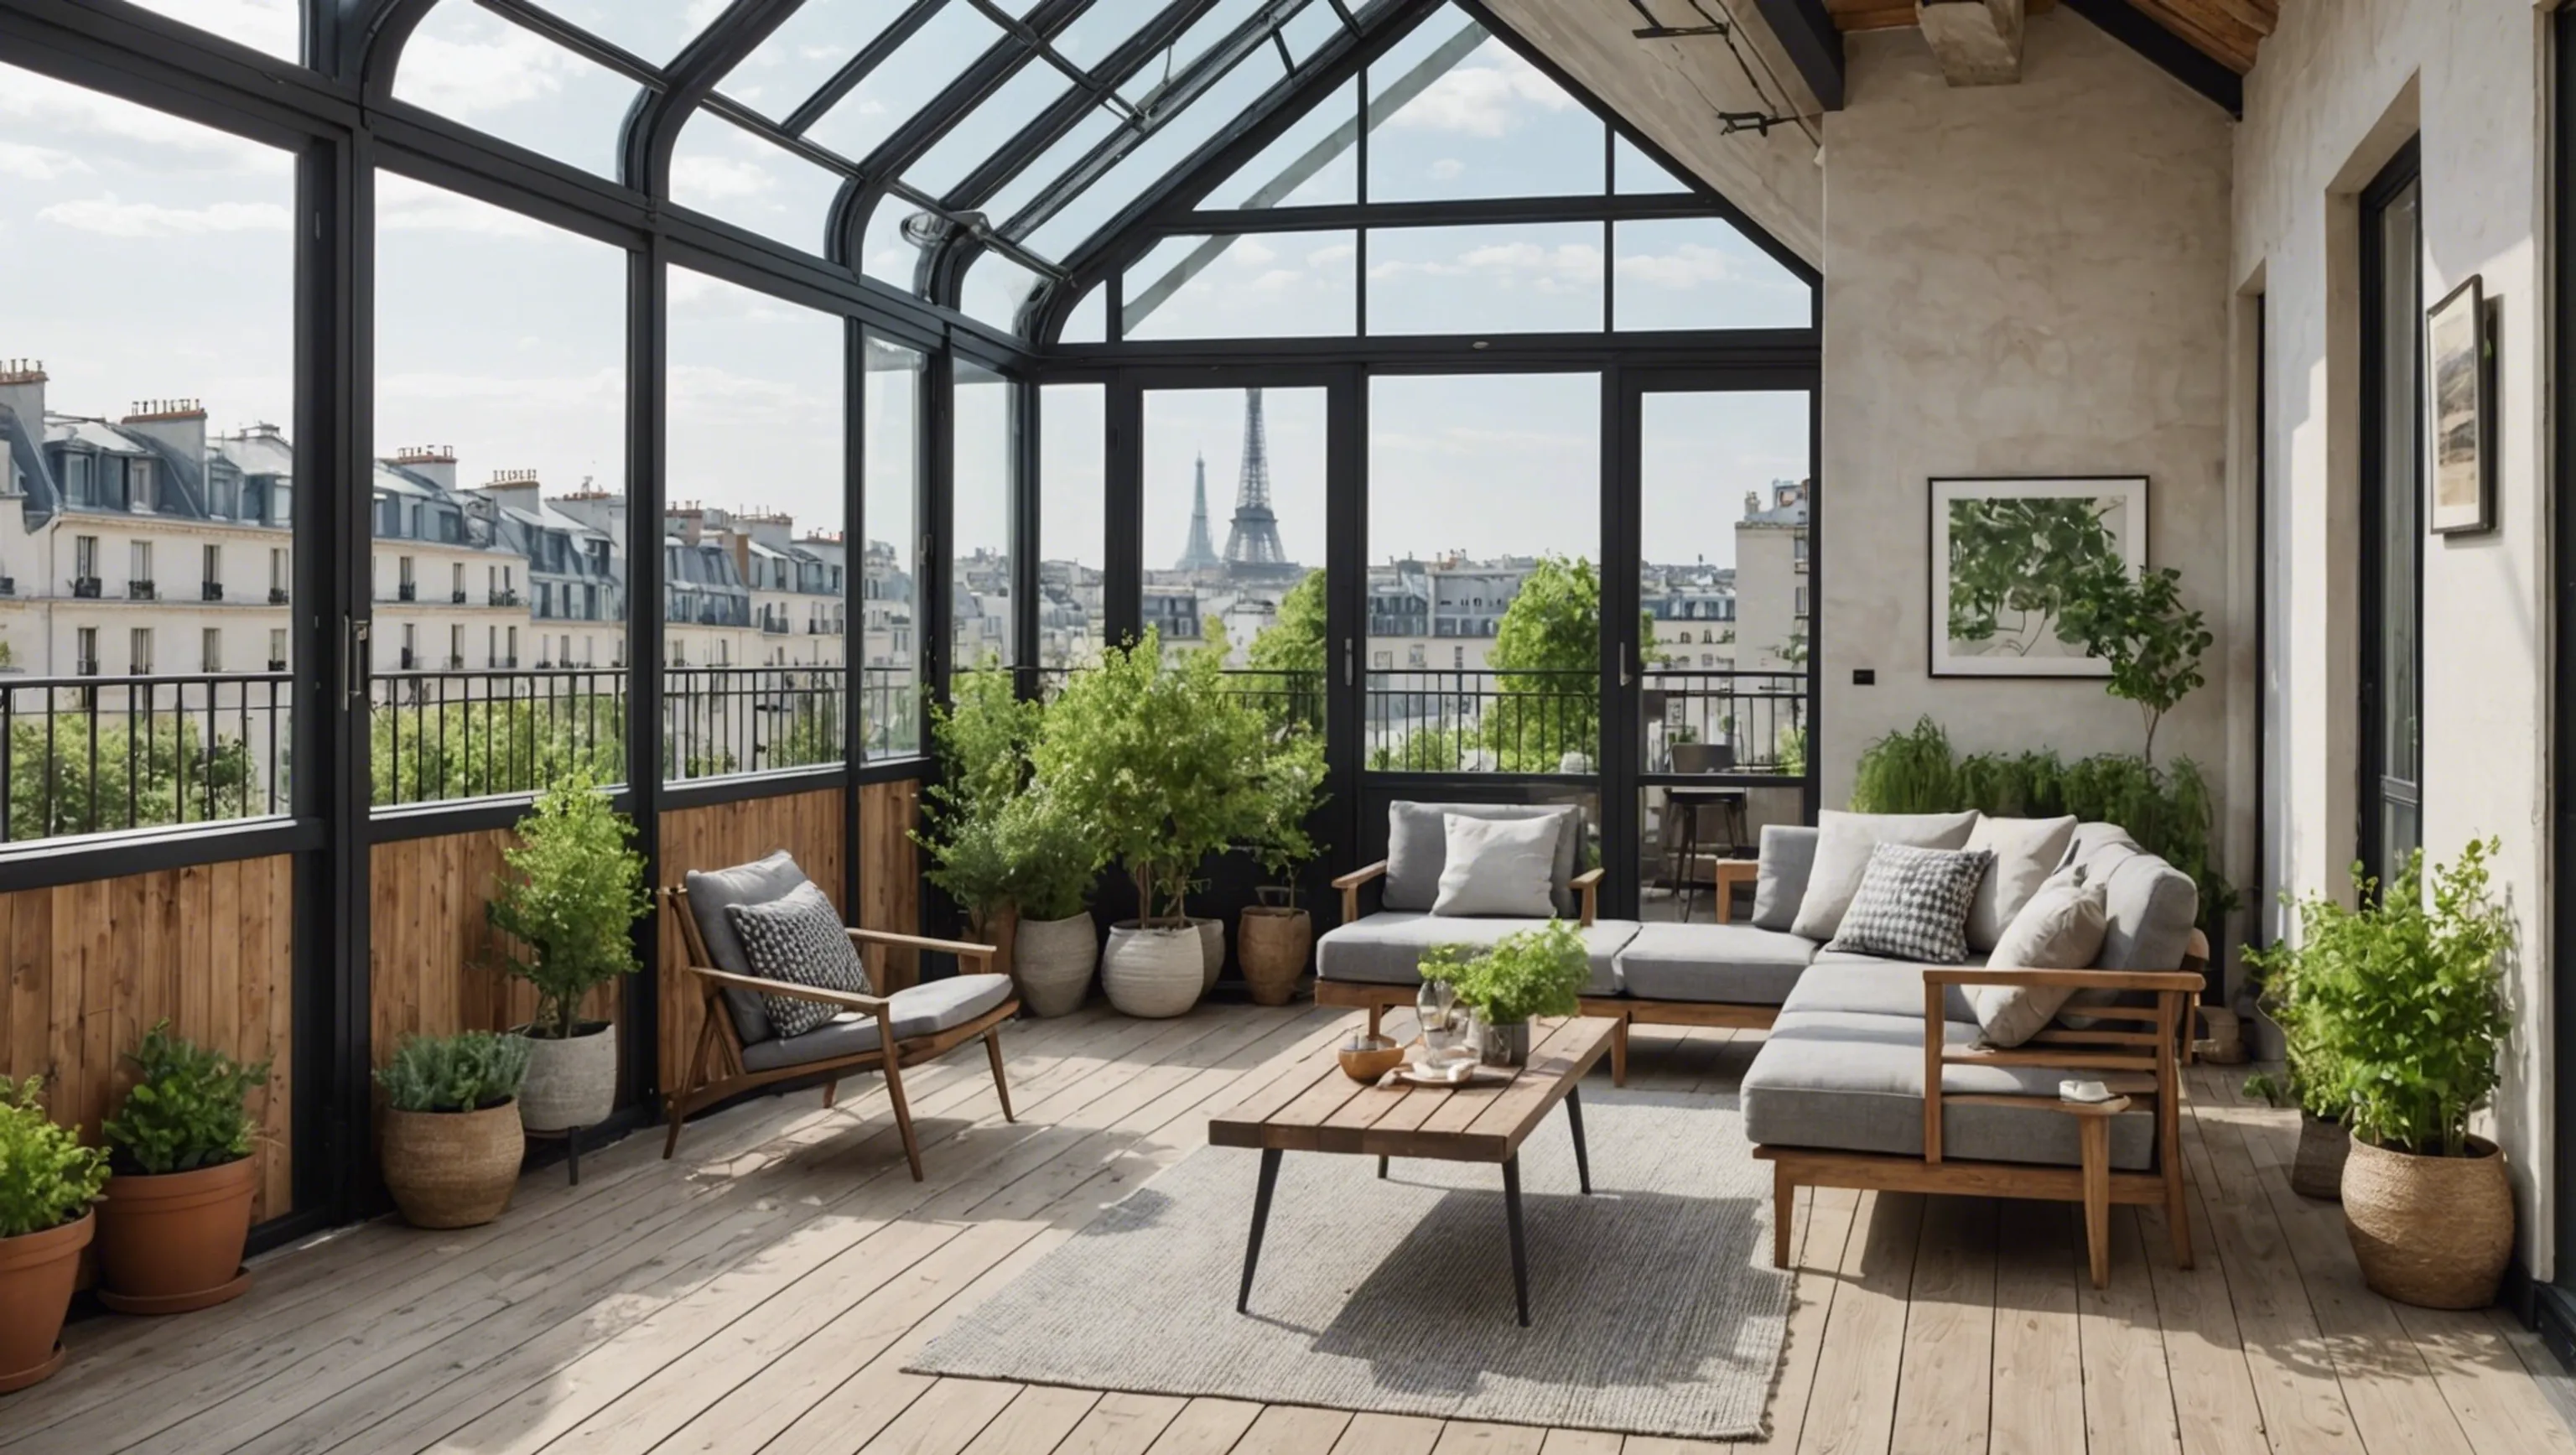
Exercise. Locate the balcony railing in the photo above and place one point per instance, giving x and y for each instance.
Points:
(86, 754)
(85, 587)
(725, 720)
(457, 596)
(1746, 724)
(407, 591)
(277, 596)
(141, 589)
(452, 734)
(211, 591)
(505, 598)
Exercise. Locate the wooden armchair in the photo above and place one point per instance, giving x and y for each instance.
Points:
(717, 1069)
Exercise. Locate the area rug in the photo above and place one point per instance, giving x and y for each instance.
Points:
(1653, 1306)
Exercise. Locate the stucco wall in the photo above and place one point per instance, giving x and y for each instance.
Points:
(2021, 280)
(2338, 89)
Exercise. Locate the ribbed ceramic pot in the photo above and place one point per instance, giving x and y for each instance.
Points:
(2317, 1170)
(1211, 951)
(1153, 974)
(36, 1275)
(572, 1082)
(173, 1242)
(452, 1169)
(2430, 1231)
(1052, 961)
(1272, 943)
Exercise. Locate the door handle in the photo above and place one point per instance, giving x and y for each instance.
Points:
(353, 663)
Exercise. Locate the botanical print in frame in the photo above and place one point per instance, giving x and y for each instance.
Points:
(2006, 557)
(2459, 410)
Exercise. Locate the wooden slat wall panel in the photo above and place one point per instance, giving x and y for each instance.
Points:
(890, 871)
(92, 966)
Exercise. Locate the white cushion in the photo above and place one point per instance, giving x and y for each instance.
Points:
(1843, 842)
(2061, 928)
(2027, 851)
(1497, 867)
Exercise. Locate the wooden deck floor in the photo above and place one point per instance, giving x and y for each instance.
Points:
(763, 1294)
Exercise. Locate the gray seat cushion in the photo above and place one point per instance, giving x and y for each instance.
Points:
(1417, 849)
(1386, 948)
(1851, 1081)
(1713, 964)
(711, 893)
(923, 1010)
(1848, 984)
(1780, 879)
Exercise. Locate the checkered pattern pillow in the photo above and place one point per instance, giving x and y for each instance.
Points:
(798, 939)
(1912, 904)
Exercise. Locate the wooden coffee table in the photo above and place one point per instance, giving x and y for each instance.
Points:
(1315, 1108)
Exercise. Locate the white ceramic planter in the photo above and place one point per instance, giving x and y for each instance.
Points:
(1211, 951)
(1052, 960)
(1153, 974)
(571, 1083)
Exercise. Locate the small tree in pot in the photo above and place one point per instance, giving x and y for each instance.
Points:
(1054, 867)
(1274, 936)
(177, 1210)
(47, 1182)
(2308, 1081)
(1534, 972)
(982, 739)
(451, 1140)
(574, 893)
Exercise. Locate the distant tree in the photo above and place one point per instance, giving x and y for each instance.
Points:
(1547, 661)
(1288, 657)
(76, 775)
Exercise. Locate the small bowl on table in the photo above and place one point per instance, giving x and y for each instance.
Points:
(1366, 1057)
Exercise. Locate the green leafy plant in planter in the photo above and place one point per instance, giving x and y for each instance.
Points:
(574, 890)
(451, 1136)
(188, 1107)
(982, 736)
(1273, 937)
(47, 1182)
(1054, 865)
(1533, 972)
(466, 1072)
(2308, 1080)
(177, 1211)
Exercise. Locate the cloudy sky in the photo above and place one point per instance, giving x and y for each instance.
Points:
(151, 258)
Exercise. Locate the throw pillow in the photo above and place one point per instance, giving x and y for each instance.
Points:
(1843, 844)
(2060, 929)
(799, 939)
(1780, 875)
(2027, 851)
(1912, 904)
(1498, 867)
(1417, 836)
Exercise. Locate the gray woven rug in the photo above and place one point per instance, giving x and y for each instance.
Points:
(1653, 1306)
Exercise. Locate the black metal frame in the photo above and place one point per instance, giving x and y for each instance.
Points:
(2552, 1305)
(2370, 789)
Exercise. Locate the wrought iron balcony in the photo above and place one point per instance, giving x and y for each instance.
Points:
(141, 589)
(85, 587)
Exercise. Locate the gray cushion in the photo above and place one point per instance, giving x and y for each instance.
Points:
(925, 1009)
(1386, 948)
(1913, 904)
(1719, 964)
(1843, 844)
(2059, 929)
(1497, 866)
(1417, 849)
(2027, 851)
(1780, 881)
(1864, 985)
(1853, 1082)
(711, 893)
(2150, 907)
(800, 940)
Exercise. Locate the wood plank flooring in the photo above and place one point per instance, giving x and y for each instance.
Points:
(763, 1293)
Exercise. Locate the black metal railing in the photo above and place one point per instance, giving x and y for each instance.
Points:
(141, 589)
(85, 587)
(277, 596)
(505, 598)
(86, 754)
(211, 591)
(1751, 724)
(457, 596)
(1469, 720)
(890, 711)
(441, 735)
(718, 721)
(407, 591)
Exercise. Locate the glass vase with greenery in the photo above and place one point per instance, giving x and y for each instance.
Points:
(47, 1178)
(189, 1107)
(1533, 972)
(574, 890)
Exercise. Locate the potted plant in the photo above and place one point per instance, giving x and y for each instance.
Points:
(177, 1209)
(573, 894)
(1533, 972)
(2307, 1081)
(451, 1140)
(2406, 1002)
(1057, 946)
(982, 738)
(47, 1182)
(1274, 936)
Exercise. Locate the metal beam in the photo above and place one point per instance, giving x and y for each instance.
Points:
(2169, 52)
(1814, 44)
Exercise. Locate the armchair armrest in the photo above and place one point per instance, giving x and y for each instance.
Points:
(1349, 884)
(875, 1005)
(2129, 1055)
(982, 955)
(2183, 981)
(1588, 885)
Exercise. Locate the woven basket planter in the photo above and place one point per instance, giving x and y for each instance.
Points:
(1272, 943)
(1052, 959)
(2317, 1171)
(2430, 1231)
(452, 1169)
(1153, 974)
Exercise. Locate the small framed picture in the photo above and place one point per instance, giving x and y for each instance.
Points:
(2460, 412)
(2007, 555)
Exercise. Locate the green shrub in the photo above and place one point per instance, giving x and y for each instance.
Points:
(1291, 786)
(186, 1110)
(982, 738)
(1532, 973)
(47, 1178)
(1054, 862)
(468, 1071)
(575, 893)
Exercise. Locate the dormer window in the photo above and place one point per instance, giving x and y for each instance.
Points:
(138, 484)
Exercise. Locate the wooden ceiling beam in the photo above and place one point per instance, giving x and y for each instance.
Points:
(2223, 41)
(1806, 29)
(2186, 62)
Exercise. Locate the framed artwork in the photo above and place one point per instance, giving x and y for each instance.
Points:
(2460, 411)
(2007, 556)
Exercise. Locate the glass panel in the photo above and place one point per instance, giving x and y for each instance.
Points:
(884, 252)
(1234, 93)
(891, 474)
(1073, 526)
(1103, 27)
(1633, 173)
(1456, 113)
(1481, 486)
(1723, 481)
(986, 129)
(1307, 31)
(754, 676)
(805, 51)
(729, 173)
(1259, 285)
(1314, 163)
(150, 324)
(1008, 199)
(985, 448)
(906, 81)
(1089, 321)
(470, 65)
(1515, 278)
(1254, 574)
(1204, 35)
(499, 644)
(993, 290)
(1699, 272)
(2400, 548)
(651, 30)
(273, 26)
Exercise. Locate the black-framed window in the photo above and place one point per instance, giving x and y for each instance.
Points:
(2392, 517)
(895, 611)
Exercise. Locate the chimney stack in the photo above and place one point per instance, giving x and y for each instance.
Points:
(434, 463)
(177, 423)
(22, 390)
(516, 489)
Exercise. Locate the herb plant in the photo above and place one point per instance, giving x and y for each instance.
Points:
(468, 1071)
(186, 1110)
(574, 893)
(47, 1178)
(1533, 972)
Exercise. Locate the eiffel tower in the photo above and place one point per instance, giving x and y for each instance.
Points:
(1252, 545)
(1201, 556)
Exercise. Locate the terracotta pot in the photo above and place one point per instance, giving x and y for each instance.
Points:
(571, 1082)
(1273, 943)
(452, 1169)
(2430, 1231)
(172, 1243)
(1153, 973)
(1052, 959)
(2317, 1170)
(36, 1274)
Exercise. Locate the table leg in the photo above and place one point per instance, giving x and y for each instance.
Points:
(1512, 1216)
(1261, 1220)
(1381, 1169)
(1689, 880)
(1574, 1118)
